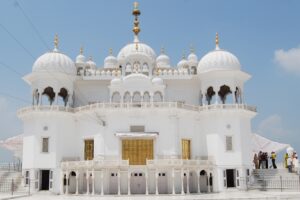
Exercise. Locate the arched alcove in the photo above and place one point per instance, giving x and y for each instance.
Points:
(63, 97)
(209, 95)
(48, 95)
(157, 97)
(223, 92)
(116, 97)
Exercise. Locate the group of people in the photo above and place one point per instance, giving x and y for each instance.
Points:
(291, 162)
(261, 159)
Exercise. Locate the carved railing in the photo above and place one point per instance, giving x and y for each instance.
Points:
(141, 105)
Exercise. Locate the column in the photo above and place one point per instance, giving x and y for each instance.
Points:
(77, 178)
(208, 184)
(87, 182)
(40, 99)
(217, 96)
(233, 98)
(102, 180)
(198, 182)
(188, 182)
(93, 182)
(173, 181)
(119, 183)
(62, 182)
(156, 182)
(146, 175)
(128, 182)
(67, 182)
(182, 182)
(203, 99)
(56, 98)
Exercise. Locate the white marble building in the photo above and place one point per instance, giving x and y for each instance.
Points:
(137, 125)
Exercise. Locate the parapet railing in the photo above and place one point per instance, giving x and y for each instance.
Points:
(11, 167)
(137, 105)
(179, 162)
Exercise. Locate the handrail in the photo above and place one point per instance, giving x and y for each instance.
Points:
(138, 105)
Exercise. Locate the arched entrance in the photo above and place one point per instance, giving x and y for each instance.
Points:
(138, 183)
(203, 180)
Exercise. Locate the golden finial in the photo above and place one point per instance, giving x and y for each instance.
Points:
(136, 12)
(81, 50)
(110, 51)
(217, 39)
(56, 41)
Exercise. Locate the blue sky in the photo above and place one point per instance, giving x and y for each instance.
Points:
(264, 35)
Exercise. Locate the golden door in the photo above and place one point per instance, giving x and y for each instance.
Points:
(89, 149)
(186, 149)
(137, 151)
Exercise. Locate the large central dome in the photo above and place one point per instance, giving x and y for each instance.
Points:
(136, 49)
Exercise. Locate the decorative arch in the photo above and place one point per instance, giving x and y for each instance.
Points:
(49, 92)
(209, 94)
(136, 66)
(146, 97)
(127, 97)
(237, 95)
(223, 92)
(35, 97)
(63, 93)
(193, 70)
(136, 97)
(157, 96)
(116, 97)
(128, 67)
(203, 180)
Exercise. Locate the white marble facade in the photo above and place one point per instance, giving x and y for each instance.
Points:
(201, 101)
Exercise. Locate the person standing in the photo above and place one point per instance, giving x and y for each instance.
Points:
(259, 159)
(286, 156)
(289, 164)
(255, 161)
(267, 159)
(273, 158)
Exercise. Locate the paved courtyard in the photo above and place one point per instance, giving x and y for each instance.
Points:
(223, 196)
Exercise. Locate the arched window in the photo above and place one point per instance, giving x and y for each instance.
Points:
(237, 95)
(128, 67)
(209, 95)
(63, 93)
(146, 97)
(116, 97)
(223, 92)
(35, 97)
(126, 98)
(136, 97)
(145, 67)
(49, 93)
(157, 97)
(193, 70)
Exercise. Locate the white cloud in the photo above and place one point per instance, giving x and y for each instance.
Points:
(271, 125)
(288, 60)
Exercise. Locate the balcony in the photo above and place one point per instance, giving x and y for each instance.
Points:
(142, 105)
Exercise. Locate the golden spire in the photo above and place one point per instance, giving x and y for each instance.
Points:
(110, 51)
(56, 41)
(217, 40)
(81, 50)
(136, 12)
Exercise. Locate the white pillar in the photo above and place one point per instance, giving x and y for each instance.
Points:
(173, 181)
(67, 183)
(208, 187)
(62, 183)
(156, 182)
(128, 183)
(102, 183)
(188, 182)
(203, 99)
(93, 182)
(77, 178)
(119, 183)
(182, 182)
(87, 182)
(198, 182)
(55, 98)
(146, 175)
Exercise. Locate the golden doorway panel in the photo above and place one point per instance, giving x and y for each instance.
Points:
(186, 149)
(88, 149)
(137, 151)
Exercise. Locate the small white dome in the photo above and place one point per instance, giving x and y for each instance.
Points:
(163, 61)
(219, 60)
(80, 59)
(193, 57)
(116, 81)
(183, 63)
(54, 61)
(90, 64)
(157, 81)
(136, 48)
(110, 62)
